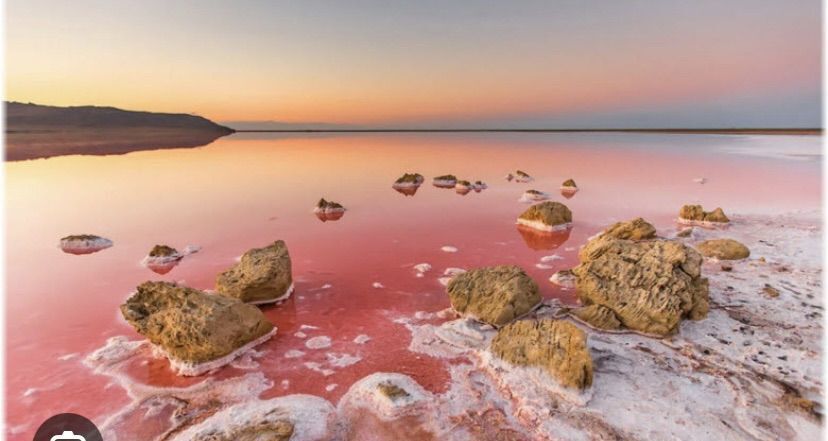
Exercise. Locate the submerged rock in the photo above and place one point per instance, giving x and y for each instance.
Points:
(494, 295)
(409, 180)
(649, 285)
(445, 181)
(598, 316)
(636, 229)
(695, 214)
(84, 244)
(723, 249)
(534, 196)
(478, 186)
(195, 330)
(569, 184)
(556, 346)
(546, 216)
(162, 259)
(263, 275)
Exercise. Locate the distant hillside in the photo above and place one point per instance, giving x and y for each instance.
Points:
(36, 131)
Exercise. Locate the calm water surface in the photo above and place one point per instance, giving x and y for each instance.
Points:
(248, 190)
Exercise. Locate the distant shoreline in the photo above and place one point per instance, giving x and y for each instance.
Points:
(802, 132)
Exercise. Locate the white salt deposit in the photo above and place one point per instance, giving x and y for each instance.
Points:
(564, 279)
(320, 342)
(422, 267)
(300, 334)
(366, 394)
(294, 353)
(449, 249)
(550, 258)
(543, 266)
(342, 360)
(538, 225)
(313, 419)
(331, 387)
(190, 369)
(529, 197)
(377, 285)
(700, 180)
(361, 339)
(281, 298)
(317, 367)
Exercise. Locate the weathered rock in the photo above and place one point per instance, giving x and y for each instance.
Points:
(557, 346)
(494, 295)
(522, 176)
(324, 206)
(546, 216)
(163, 251)
(723, 249)
(263, 275)
(569, 184)
(649, 285)
(478, 186)
(197, 331)
(687, 232)
(695, 213)
(770, 291)
(391, 390)
(598, 316)
(409, 180)
(296, 417)
(445, 181)
(636, 229)
(84, 244)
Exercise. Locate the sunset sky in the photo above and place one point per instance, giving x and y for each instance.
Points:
(657, 63)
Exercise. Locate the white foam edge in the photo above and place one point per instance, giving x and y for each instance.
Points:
(445, 182)
(189, 369)
(161, 260)
(329, 210)
(538, 225)
(683, 221)
(283, 297)
(313, 418)
(407, 184)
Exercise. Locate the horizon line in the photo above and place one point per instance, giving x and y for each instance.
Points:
(734, 130)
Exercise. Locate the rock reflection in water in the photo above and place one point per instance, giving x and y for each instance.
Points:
(543, 240)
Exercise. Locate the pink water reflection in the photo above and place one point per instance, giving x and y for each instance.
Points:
(240, 193)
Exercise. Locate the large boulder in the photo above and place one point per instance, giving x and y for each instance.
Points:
(495, 295)
(598, 316)
(636, 229)
(649, 285)
(723, 249)
(696, 214)
(556, 346)
(197, 331)
(263, 275)
(546, 216)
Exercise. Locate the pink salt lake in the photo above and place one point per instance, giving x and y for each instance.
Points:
(248, 190)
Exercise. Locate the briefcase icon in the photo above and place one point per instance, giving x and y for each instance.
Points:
(67, 435)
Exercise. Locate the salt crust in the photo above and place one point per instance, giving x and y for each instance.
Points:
(538, 225)
(313, 418)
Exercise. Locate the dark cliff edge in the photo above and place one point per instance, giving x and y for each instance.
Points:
(36, 131)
